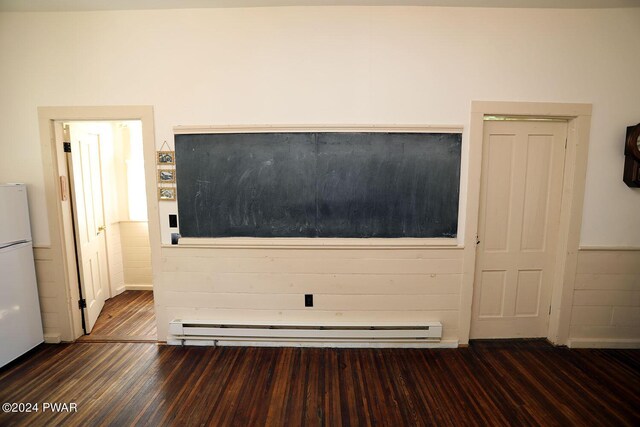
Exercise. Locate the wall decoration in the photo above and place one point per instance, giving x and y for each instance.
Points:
(166, 194)
(166, 176)
(166, 158)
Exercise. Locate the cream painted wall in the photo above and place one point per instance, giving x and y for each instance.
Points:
(327, 65)
(120, 147)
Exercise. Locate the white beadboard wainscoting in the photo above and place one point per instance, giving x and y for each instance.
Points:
(52, 302)
(349, 285)
(606, 299)
(355, 285)
(136, 255)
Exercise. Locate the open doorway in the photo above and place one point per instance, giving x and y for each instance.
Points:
(109, 215)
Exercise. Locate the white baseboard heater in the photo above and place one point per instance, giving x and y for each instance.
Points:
(209, 333)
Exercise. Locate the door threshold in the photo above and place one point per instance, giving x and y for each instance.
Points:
(116, 338)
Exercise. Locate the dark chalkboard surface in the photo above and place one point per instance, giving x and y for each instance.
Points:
(318, 184)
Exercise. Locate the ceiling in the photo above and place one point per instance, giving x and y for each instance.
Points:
(84, 5)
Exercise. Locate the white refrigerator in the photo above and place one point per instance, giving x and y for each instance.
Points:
(20, 322)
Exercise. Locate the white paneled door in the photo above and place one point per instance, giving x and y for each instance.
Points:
(521, 190)
(89, 220)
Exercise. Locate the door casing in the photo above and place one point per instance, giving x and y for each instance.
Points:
(578, 117)
(58, 208)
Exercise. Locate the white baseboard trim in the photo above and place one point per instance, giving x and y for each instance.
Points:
(604, 343)
(119, 290)
(52, 338)
(139, 287)
(313, 344)
(609, 248)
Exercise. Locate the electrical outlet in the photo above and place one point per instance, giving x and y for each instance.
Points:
(173, 221)
(308, 300)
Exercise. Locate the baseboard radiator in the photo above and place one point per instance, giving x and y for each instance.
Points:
(182, 332)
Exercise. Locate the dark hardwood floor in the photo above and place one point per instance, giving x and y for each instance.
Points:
(126, 317)
(501, 383)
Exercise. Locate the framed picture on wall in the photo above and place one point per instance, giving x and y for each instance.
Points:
(166, 157)
(166, 193)
(166, 176)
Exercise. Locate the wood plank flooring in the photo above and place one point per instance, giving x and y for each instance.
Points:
(126, 317)
(488, 383)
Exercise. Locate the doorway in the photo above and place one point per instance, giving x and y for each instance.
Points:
(520, 201)
(108, 200)
(578, 118)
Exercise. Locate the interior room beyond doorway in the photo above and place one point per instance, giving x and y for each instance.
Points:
(109, 198)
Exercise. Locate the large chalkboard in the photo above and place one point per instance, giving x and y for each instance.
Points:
(318, 184)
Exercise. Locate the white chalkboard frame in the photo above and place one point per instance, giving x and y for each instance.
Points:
(323, 242)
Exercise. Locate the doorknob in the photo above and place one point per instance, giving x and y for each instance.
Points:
(101, 229)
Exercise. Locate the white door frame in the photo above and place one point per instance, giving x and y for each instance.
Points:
(62, 233)
(578, 118)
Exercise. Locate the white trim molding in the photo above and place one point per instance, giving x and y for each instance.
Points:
(316, 243)
(139, 287)
(52, 339)
(70, 321)
(313, 344)
(578, 117)
(603, 343)
(412, 128)
(610, 248)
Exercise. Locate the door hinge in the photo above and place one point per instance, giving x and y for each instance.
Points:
(67, 147)
(565, 143)
(82, 303)
(549, 309)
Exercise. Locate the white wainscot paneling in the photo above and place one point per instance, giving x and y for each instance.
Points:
(349, 285)
(606, 300)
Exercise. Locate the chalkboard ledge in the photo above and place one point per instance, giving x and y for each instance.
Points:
(317, 243)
